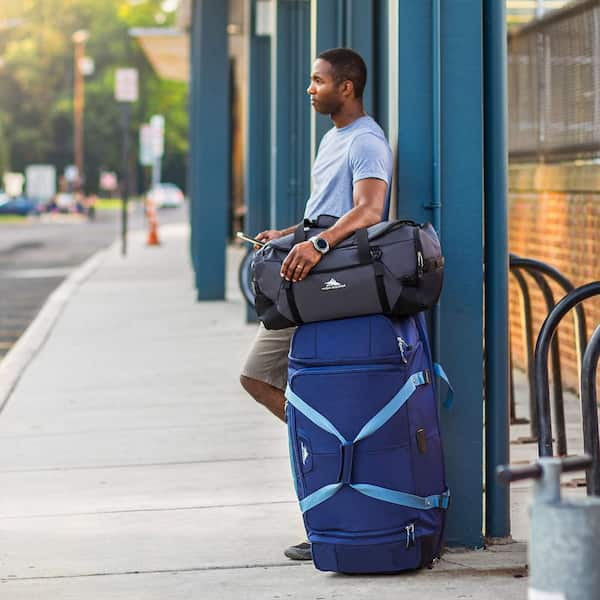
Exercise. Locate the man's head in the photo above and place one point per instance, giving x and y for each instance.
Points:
(338, 77)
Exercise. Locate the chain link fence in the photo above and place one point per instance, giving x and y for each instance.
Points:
(554, 86)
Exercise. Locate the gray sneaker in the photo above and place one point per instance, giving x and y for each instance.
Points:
(299, 551)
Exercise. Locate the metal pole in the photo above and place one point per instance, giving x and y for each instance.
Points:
(125, 112)
(496, 265)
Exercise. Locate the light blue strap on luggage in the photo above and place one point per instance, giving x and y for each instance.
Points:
(310, 413)
(394, 405)
(439, 371)
(402, 498)
(375, 423)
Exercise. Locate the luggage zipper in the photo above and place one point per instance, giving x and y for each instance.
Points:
(410, 535)
(402, 345)
(340, 369)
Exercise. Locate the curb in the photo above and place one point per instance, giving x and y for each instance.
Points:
(30, 343)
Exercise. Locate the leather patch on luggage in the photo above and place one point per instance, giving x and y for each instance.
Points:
(421, 441)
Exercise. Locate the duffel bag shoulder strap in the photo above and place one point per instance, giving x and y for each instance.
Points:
(372, 255)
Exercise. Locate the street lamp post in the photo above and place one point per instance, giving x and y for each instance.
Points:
(79, 39)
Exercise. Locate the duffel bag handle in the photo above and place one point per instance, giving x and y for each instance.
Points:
(364, 250)
(322, 221)
(362, 241)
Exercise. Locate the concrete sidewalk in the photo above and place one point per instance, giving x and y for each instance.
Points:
(132, 465)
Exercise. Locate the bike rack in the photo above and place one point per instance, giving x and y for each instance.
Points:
(541, 372)
(528, 332)
(589, 411)
(539, 271)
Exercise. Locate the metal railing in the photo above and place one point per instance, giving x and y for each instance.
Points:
(541, 272)
(589, 408)
(554, 86)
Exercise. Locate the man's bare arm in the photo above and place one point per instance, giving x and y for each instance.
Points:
(369, 201)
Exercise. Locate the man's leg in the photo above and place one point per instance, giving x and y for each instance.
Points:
(264, 377)
(266, 394)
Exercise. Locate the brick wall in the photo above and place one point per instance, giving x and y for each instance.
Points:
(554, 216)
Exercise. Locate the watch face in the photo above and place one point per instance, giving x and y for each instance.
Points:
(321, 243)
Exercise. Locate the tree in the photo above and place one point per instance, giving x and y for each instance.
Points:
(36, 83)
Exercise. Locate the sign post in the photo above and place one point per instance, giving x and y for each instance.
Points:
(157, 125)
(126, 92)
(41, 182)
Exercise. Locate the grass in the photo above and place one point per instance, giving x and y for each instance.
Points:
(108, 204)
(12, 218)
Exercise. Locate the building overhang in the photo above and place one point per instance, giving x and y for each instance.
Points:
(167, 49)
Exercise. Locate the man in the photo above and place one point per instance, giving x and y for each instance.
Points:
(351, 176)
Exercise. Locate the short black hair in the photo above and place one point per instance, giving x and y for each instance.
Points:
(347, 65)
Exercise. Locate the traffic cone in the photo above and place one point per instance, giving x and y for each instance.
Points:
(152, 225)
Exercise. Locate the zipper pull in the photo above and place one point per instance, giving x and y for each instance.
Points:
(402, 345)
(410, 535)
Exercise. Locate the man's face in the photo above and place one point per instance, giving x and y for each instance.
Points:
(326, 96)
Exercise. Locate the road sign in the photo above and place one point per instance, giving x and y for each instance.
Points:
(41, 182)
(126, 85)
(157, 123)
(86, 65)
(71, 173)
(13, 184)
(146, 153)
(108, 181)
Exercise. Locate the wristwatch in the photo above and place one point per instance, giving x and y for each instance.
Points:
(321, 244)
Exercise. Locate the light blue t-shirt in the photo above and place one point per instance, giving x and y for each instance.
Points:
(347, 155)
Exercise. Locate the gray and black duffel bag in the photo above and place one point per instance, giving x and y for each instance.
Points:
(394, 268)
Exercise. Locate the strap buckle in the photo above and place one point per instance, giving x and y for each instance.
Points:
(375, 252)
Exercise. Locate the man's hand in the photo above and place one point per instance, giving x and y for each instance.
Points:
(298, 263)
(268, 235)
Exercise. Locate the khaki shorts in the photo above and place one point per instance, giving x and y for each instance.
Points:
(268, 356)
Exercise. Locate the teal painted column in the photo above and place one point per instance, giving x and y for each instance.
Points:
(257, 169)
(460, 172)
(496, 269)
(290, 124)
(327, 28)
(381, 64)
(350, 24)
(209, 145)
(360, 29)
(461, 307)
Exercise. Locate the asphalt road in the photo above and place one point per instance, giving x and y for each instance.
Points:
(36, 255)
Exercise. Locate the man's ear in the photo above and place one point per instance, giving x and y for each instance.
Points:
(348, 88)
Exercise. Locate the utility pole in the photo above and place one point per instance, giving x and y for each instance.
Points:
(79, 39)
(126, 92)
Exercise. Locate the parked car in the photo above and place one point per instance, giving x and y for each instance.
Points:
(166, 195)
(20, 205)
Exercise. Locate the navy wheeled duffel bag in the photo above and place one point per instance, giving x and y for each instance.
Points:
(393, 268)
(365, 443)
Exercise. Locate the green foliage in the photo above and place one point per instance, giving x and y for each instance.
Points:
(36, 84)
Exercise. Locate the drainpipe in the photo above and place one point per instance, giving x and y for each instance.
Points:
(436, 204)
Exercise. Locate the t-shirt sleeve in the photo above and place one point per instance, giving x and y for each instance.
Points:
(370, 157)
